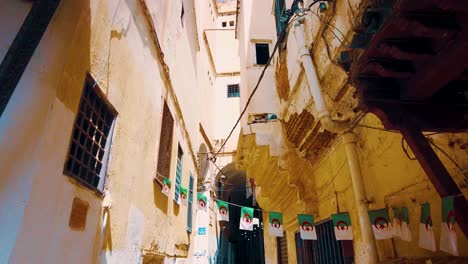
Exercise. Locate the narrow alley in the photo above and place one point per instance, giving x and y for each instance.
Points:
(233, 131)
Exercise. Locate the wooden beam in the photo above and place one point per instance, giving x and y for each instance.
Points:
(446, 66)
(435, 170)
(434, 117)
(22, 49)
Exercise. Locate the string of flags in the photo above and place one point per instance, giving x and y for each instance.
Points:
(382, 227)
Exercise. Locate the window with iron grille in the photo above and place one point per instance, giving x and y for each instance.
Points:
(190, 204)
(326, 249)
(165, 145)
(91, 137)
(282, 249)
(233, 90)
(178, 181)
(304, 251)
(262, 52)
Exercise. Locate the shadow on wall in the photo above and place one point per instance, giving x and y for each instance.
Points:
(107, 236)
(142, 25)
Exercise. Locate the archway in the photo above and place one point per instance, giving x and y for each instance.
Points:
(235, 245)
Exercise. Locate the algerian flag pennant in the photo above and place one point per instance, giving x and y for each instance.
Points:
(246, 220)
(166, 186)
(223, 211)
(307, 227)
(380, 224)
(202, 202)
(276, 224)
(426, 234)
(405, 231)
(396, 222)
(343, 229)
(183, 195)
(448, 236)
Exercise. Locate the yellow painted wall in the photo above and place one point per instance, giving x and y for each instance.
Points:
(390, 179)
(35, 130)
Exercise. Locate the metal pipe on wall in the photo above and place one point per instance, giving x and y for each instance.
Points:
(349, 139)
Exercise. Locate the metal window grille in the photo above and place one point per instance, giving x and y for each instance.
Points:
(304, 251)
(282, 247)
(233, 90)
(262, 52)
(91, 137)
(190, 204)
(178, 174)
(326, 249)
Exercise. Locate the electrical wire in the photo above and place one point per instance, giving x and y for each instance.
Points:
(405, 150)
(332, 31)
(447, 155)
(428, 139)
(278, 41)
(238, 205)
(101, 74)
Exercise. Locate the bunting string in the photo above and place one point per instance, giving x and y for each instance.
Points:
(216, 199)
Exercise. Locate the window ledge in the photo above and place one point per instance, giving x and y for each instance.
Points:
(84, 185)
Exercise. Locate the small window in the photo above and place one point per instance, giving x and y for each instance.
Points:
(231, 23)
(262, 52)
(223, 24)
(91, 137)
(233, 90)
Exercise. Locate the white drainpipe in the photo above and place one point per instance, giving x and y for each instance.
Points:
(349, 139)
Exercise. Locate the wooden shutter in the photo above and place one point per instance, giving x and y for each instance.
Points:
(190, 204)
(282, 246)
(165, 144)
(178, 180)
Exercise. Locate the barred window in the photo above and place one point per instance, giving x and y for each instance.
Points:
(233, 90)
(91, 138)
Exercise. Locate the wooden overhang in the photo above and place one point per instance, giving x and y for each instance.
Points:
(409, 63)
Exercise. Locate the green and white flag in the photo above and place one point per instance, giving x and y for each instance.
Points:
(276, 224)
(405, 230)
(396, 224)
(223, 211)
(343, 229)
(380, 224)
(307, 227)
(246, 220)
(448, 236)
(426, 234)
(202, 201)
(166, 186)
(183, 196)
